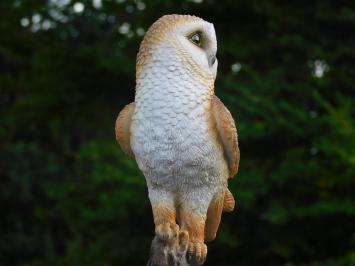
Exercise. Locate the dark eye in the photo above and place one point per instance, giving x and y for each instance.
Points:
(196, 38)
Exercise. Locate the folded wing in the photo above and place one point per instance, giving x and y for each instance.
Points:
(122, 128)
(227, 133)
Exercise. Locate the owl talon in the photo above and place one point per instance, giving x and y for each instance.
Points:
(167, 231)
(197, 253)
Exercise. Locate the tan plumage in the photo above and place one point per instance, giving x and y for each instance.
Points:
(229, 202)
(123, 128)
(227, 133)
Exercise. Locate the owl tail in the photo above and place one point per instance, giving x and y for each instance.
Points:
(229, 202)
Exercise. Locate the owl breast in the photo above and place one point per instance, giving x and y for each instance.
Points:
(172, 135)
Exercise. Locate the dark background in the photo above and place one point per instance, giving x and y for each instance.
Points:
(68, 194)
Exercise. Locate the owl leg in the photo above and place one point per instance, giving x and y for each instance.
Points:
(164, 214)
(192, 218)
(214, 214)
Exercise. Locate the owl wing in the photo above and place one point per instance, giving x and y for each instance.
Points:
(227, 133)
(122, 128)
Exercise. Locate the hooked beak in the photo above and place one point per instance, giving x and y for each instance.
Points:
(211, 60)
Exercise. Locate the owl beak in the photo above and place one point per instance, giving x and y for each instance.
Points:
(211, 60)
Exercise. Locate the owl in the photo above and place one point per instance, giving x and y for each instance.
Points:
(181, 135)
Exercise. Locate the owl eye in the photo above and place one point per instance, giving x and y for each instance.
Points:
(196, 38)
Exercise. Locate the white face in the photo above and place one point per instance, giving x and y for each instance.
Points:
(198, 40)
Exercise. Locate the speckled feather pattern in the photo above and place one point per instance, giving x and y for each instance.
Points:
(171, 127)
(172, 118)
(174, 137)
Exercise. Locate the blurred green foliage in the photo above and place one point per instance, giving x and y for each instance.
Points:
(69, 196)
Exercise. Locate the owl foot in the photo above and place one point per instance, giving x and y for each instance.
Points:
(196, 253)
(167, 231)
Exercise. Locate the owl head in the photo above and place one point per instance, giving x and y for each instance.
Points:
(188, 39)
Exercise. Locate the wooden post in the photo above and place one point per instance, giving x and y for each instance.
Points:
(171, 253)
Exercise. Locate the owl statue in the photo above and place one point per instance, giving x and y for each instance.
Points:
(181, 135)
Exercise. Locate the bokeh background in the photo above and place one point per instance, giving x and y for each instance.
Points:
(69, 196)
